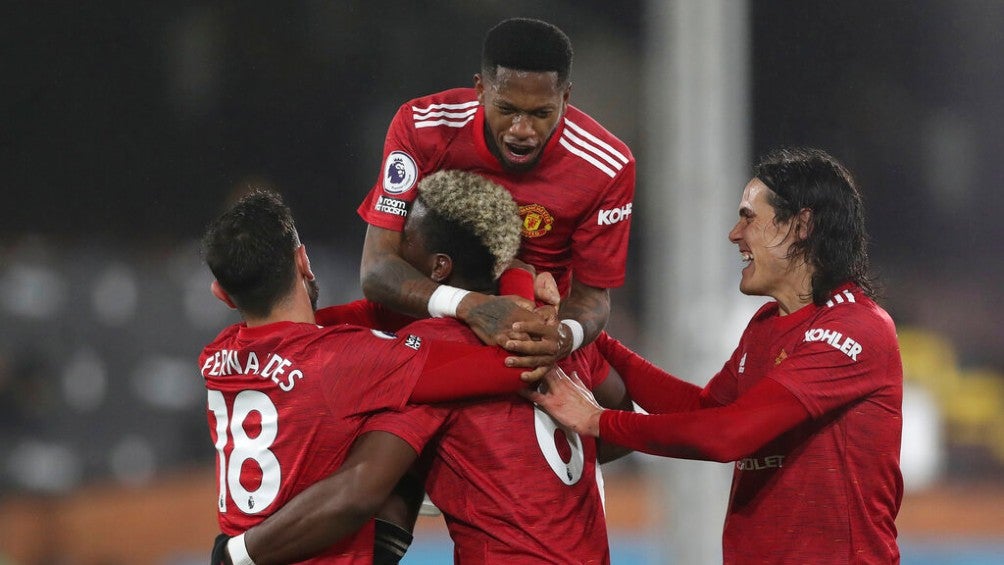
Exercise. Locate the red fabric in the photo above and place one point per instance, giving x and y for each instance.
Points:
(652, 388)
(285, 402)
(516, 281)
(363, 313)
(576, 203)
(824, 487)
(448, 372)
(489, 474)
(759, 416)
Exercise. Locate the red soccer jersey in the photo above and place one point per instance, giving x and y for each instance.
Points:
(286, 401)
(827, 491)
(512, 487)
(575, 203)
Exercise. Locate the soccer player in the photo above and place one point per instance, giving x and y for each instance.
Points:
(510, 483)
(572, 180)
(809, 404)
(287, 397)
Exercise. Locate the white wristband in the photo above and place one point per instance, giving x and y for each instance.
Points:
(238, 551)
(577, 334)
(444, 301)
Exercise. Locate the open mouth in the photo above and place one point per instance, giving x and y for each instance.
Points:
(520, 153)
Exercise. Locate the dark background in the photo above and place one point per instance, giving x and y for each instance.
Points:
(128, 125)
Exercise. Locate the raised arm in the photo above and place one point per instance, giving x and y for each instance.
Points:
(589, 307)
(388, 279)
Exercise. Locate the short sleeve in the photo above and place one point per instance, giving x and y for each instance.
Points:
(386, 205)
(843, 357)
(600, 242)
(415, 424)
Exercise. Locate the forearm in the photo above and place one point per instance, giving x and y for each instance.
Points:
(589, 306)
(655, 390)
(722, 434)
(393, 282)
(455, 371)
(310, 523)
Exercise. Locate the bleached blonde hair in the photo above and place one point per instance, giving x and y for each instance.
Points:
(482, 206)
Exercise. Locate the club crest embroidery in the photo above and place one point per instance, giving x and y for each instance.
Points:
(780, 357)
(399, 173)
(537, 221)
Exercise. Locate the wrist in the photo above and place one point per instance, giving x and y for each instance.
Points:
(593, 428)
(445, 300)
(238, 551)
(575, 332)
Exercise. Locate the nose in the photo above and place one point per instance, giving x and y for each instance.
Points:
(734, 233)
(521, 127)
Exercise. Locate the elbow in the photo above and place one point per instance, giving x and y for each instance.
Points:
(350, 509)
(730, 446)
(374, 283)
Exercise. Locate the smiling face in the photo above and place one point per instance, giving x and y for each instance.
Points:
(522, 109)
(764, 244)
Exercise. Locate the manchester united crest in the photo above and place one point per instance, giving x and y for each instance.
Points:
(537, 221)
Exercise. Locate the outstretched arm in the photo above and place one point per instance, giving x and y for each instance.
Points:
(334, 507)
(655, 390)
(723, 433)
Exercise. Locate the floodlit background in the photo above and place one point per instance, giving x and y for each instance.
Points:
(128, 125)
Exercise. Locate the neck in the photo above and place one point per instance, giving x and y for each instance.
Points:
(797, 294)
(293, 308)
(464, 283)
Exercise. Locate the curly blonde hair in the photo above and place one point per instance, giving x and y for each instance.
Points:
(482, 206)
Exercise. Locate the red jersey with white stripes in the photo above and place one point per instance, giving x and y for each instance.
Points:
(829, 490)
(512, 486)
(575, 203)
(286, 401)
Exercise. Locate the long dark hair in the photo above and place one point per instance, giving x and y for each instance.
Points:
(837, 242)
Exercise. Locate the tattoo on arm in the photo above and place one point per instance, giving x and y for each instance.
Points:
(590, 306)
(399, 286)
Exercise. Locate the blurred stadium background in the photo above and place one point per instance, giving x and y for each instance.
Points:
(129, 124)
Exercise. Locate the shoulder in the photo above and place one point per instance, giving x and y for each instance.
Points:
(441, 328)
(855, 316)
(583, 133)
(452, 108)
(765, 313)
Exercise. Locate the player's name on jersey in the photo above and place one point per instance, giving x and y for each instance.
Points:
(226, 362)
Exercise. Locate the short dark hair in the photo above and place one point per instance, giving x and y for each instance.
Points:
(837, 242)
(526, 44)
(250, 248)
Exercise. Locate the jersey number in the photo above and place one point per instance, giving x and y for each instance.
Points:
(246, 448)
(561, 449)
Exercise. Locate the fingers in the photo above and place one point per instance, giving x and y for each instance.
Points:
(534, 375)
(548, 313)
(536, 327)
(546, 289)
(574, 377)
(532, 395)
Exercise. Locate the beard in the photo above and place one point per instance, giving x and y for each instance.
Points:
(313, 291)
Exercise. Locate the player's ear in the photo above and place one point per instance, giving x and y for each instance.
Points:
(442, 267)
(218, 292)
(303, 262)
(479, 88)
(804, 225)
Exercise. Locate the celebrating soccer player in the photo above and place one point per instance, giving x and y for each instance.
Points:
(808, 406)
